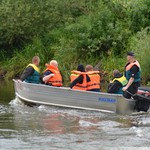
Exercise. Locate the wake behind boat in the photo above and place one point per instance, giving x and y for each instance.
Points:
(64, 97)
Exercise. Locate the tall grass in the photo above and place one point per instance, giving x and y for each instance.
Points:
(21, 59)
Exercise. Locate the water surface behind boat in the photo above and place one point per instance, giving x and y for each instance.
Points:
(44, 127)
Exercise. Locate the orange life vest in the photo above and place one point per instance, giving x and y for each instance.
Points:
(94, 80)
(128, 72)
(131, 64)
(56, 80)
(79, 86)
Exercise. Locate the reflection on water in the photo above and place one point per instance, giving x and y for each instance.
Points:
(6, 91)
(43, 128)
(36, 127)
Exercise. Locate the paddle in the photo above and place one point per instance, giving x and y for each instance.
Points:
(132, 95)
(96, 67)
(102, 72)
(136, 96)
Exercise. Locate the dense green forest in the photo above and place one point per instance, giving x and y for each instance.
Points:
(73, 32)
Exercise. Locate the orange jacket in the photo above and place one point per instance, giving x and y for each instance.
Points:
(128, 72)
(131, 64)
(56, 80)
(95, 80)
(79, 86)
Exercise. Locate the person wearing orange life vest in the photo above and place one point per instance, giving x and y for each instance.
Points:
(79, 79)
(94, 83)
(52, 75)
(132, 73)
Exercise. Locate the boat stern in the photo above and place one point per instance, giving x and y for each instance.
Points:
(125, 106)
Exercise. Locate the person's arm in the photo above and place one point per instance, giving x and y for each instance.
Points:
(114, 87)
(134, 71)
(27, 72)
(47, 75)
(77, 80)
(46, 78)
(128, 85)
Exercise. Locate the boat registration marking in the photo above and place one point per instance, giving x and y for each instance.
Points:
(107, 100)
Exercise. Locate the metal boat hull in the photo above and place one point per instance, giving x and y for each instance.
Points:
(63, 97)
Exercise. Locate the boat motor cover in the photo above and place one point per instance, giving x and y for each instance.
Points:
(142, 102)
(144, 91)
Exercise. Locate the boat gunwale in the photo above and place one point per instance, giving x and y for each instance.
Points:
(67, 88)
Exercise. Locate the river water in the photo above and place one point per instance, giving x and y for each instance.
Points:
(52, 128)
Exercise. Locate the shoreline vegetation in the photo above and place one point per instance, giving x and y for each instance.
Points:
(74, 32)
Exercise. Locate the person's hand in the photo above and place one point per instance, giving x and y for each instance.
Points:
(124, 88)
(110, 81)
(19, 81)
(67, 88)
(52, 75)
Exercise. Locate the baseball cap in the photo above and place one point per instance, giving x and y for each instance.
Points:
(130, 54)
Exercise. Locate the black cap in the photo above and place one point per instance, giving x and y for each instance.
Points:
(80, 68)
(130, 54)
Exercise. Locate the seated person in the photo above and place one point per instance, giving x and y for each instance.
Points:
(52, 75)
(79, 79)
(118, 82)
(31, 74)
(94, 83)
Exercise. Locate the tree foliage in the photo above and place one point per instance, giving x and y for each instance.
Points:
(71, 31)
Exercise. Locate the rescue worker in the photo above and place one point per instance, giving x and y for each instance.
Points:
(118, 82)
(94, 83)
(132, 74)
(79, 79)
(52, 75)
(31, 74)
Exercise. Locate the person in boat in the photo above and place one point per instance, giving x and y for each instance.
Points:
(94, 83)
(79, 79)
(132, 73)
(52, 75)
(118, 82)
(31, 74)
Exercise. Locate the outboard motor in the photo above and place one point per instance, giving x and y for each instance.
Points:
(142, 99)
